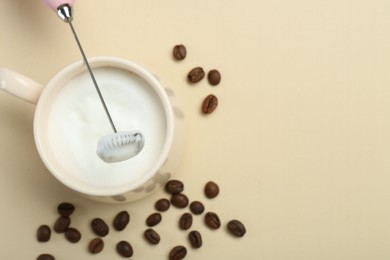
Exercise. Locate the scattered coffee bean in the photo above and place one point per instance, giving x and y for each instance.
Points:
(179, 52)
(195, 239)
(174, 186)
(99, 227)
(162, 205)
(214, 77)
(197, 207)
(211, 190)
(43, 233)
(61, 225)
(209, 104)
(185, 221)
(96, 245)
(121, 220)
(152, 236)
(178, 253)
(236, 228)
(73, 235)
(195, 75)
(179, 200)
(45, 257)
(65, 209)
(153, 219)
(212, 220)
(124, 249)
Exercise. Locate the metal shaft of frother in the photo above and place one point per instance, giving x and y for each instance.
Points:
(91, 73)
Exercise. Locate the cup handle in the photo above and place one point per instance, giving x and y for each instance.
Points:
(20, 86)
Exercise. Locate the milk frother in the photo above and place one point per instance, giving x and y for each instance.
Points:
(115, 147)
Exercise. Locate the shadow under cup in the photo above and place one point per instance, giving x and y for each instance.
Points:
(70, 119)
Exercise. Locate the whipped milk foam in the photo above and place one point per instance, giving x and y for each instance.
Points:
(77, 121)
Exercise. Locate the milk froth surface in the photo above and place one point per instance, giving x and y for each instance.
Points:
(77, 121)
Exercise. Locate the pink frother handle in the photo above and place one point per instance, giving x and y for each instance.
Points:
(54, 4)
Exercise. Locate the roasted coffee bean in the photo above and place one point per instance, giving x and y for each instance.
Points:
(179, 52)
(96, 245)
(99, 227)
(185, 221)
(212, 220)
(73, 235)
(214, 77)
(195, 239)
(196, 74)
(61, 225)
(152, 236)
(209, 104)
(153, 219)
(162, 205)
(121, 220)
(197, 207)
(65, 209)
(211, 190)
(45, 257)
(179, 200)
(124, 249)
(174, 186)
(43, 233)
(236, 228)
(178, 253)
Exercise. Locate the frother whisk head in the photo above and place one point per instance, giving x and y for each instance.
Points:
(120, 146)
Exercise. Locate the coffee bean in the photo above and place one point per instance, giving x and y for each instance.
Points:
(99, 227)
(236, 228)
(195, 239)
(153, 219)
(61, 225)
(152, 236)
(195, 75)
(178, 253)
(212, 220)
(121, 220)
(73, 235)
(43, 233)
(209, 104)
(96, 245)
(214, 77)
(185, 221)
(162, 205)
(179, 200)
(45, 257)
(124, 249)
(197, 207)
(179, 52)
(174, 186)
(65, 209)
(211, 190)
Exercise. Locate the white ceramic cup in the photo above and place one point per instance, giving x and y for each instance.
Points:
(156, 171)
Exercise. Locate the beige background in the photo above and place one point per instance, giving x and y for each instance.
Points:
(299, 144)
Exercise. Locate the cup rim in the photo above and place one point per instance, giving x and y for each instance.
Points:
(78, 66)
